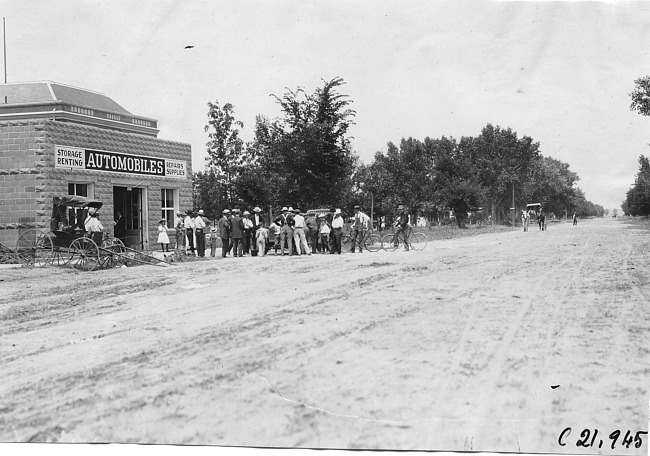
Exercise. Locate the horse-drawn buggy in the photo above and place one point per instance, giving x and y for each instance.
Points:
(68, 242)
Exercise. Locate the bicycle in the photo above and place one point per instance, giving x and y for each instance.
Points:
(371, 242)
(416, 240)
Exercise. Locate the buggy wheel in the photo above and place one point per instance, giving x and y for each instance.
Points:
(84, 254)
(372, 243)
(389, 242)
(418, 241)
(111, 253)
(35, 248)
(346, 243)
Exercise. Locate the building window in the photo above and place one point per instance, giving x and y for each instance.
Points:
(169, 208)
(78, 189)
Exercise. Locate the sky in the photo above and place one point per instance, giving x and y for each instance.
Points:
(559, 72)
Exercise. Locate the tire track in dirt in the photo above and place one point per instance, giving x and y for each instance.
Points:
(498, 356)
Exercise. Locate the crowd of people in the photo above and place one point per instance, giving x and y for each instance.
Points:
(292, 232)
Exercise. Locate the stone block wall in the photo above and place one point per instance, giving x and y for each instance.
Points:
(29, 179)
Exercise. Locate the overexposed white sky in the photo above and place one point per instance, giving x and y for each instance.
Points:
(559, 72)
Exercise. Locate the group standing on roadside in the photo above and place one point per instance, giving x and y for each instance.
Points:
(292, 232)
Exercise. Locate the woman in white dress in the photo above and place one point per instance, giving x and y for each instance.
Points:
(163, 239)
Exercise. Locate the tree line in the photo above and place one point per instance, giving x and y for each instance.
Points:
(637, 200)
(305, 158)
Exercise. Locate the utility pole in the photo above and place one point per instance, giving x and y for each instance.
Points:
(514, 211)
(4, 41)
(372, 210)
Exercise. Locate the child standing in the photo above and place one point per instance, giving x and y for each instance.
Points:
(324, 232)
(163, 239)
(213, 240)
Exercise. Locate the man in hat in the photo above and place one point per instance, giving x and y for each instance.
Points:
(247, 226)
(285, 222)
(312, 231)
(236, 232)
(258, 222)
(359, 228)
(224, 232)
(189, 232)
(402, 226)
(179, 226)
(93, 226)
(299, 233)
(337, 231)
(199, 231)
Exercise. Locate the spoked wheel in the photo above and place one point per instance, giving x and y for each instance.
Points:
(35, 248)
(346, 243)
(111, 254)
(418, 241)
(84, 254)
(389, 243)
(372, 243)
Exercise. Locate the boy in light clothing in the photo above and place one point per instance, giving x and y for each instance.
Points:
(324, 232)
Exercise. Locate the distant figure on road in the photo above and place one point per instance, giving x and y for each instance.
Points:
(575, 219)
(525, 219)
(542, 220)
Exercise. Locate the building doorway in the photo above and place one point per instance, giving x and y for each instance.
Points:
(127, 207)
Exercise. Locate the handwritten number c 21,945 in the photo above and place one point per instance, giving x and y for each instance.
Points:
(589, 438)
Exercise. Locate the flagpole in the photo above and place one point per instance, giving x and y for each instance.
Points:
(4, 42)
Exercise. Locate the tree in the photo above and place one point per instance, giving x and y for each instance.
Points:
(226, 152)
(637, 201)
(551, 183)
(503, 162)
(310, 145)
(641, 96)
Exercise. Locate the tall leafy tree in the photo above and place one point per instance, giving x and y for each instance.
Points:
(311, 145)
(551, 183)
(227, 154)
(504, 163)
(641, 96)
(637, 201)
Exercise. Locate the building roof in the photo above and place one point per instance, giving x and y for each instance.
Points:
(46, 91)
(48, 99)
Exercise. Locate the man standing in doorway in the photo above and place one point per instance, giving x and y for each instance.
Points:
(199, 229)
(359, 228)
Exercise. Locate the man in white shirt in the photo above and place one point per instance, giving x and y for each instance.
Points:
(359, 228)
(199, 231)
(189, 232)
(299, 233)
(337, 231)
(94, 227)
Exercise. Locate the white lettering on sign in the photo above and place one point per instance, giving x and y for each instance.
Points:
(68, 157)
(98, 160)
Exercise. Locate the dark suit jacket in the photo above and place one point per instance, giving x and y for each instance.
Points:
(224, 227)
(260, 222)
(236, 231)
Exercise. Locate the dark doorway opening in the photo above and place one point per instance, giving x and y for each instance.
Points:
(127, 207)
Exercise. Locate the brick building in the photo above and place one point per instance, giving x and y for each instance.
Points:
(58, 140)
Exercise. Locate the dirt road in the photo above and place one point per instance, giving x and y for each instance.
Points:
(494, 343)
